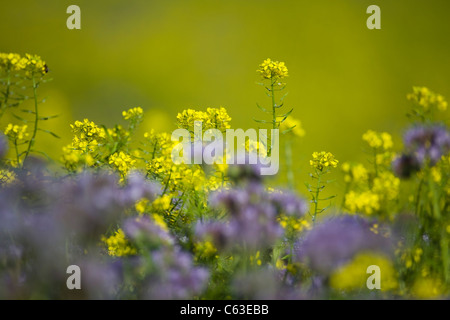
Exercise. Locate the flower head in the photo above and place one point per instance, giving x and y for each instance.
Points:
(322, 160)
(272, 70)
(427, 143)
(427, 99)
(133, 114)
(16, 133)
(378, 140)
(32, 64)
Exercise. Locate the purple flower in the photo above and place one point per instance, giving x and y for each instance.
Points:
(174, 276)
(336, 241)
(428, 143)
(143, 229)
(288, 203)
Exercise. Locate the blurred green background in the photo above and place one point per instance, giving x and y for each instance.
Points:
(166, 56)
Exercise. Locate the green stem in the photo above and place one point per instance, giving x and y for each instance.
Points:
(316, 198)
(419, 189)
(274, 116)
(7, 92)
(375, 161)
(36, 119)
(17, 152)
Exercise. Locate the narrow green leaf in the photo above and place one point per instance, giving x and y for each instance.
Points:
(50, 132)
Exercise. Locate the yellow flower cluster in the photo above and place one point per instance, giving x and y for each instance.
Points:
(16, 133)
(118, 245)
(213, 118)
(272, 70)
(122, 162)
(162, 203)
(353, 276)
(204, 250)
(32, 64)
(355, 173)
(365, 202)
(425, 98)
(7, 176)
(411, 257)
(75, 159)
(255, 259)
(292, 224)
(133, 114)
(378, 140)
(296, 124)
(322, 160)
(387, 185)
(87, 135)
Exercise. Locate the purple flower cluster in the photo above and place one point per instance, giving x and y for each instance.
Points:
(424, 145)
(253, 216)
(174, 276)
(337, 240)
(47, 224)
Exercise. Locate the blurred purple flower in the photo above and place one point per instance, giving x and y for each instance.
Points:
(175, 276)
(336, 241)
(288, 203)
(143, 229)
(428, 142)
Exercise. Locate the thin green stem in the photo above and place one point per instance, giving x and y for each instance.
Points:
(274, 115)
(7, 92)
(375, 161)
(316, 198)
(17, 152)
(36, 119)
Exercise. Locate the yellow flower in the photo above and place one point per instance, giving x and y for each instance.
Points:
(87, 135)
(386, 185)
(204, 250)
(366, 202)
(378, 139)
(6, 176)
(133, 114)
(322, 160)
(16, 133)
(32, 64)
(162, 203)
(272, 70)
(122, 162)
(255, 259)
(355, 172)
(213, 118)
(118, 245)
(75, 159)
(353, 275)
(427, 99)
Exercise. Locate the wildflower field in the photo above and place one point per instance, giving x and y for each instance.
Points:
(140, 225)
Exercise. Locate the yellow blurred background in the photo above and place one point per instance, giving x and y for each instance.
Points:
(166, 56)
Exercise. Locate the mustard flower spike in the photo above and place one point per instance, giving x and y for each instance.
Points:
(322, 160)
(133, 113)
(272, 70)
